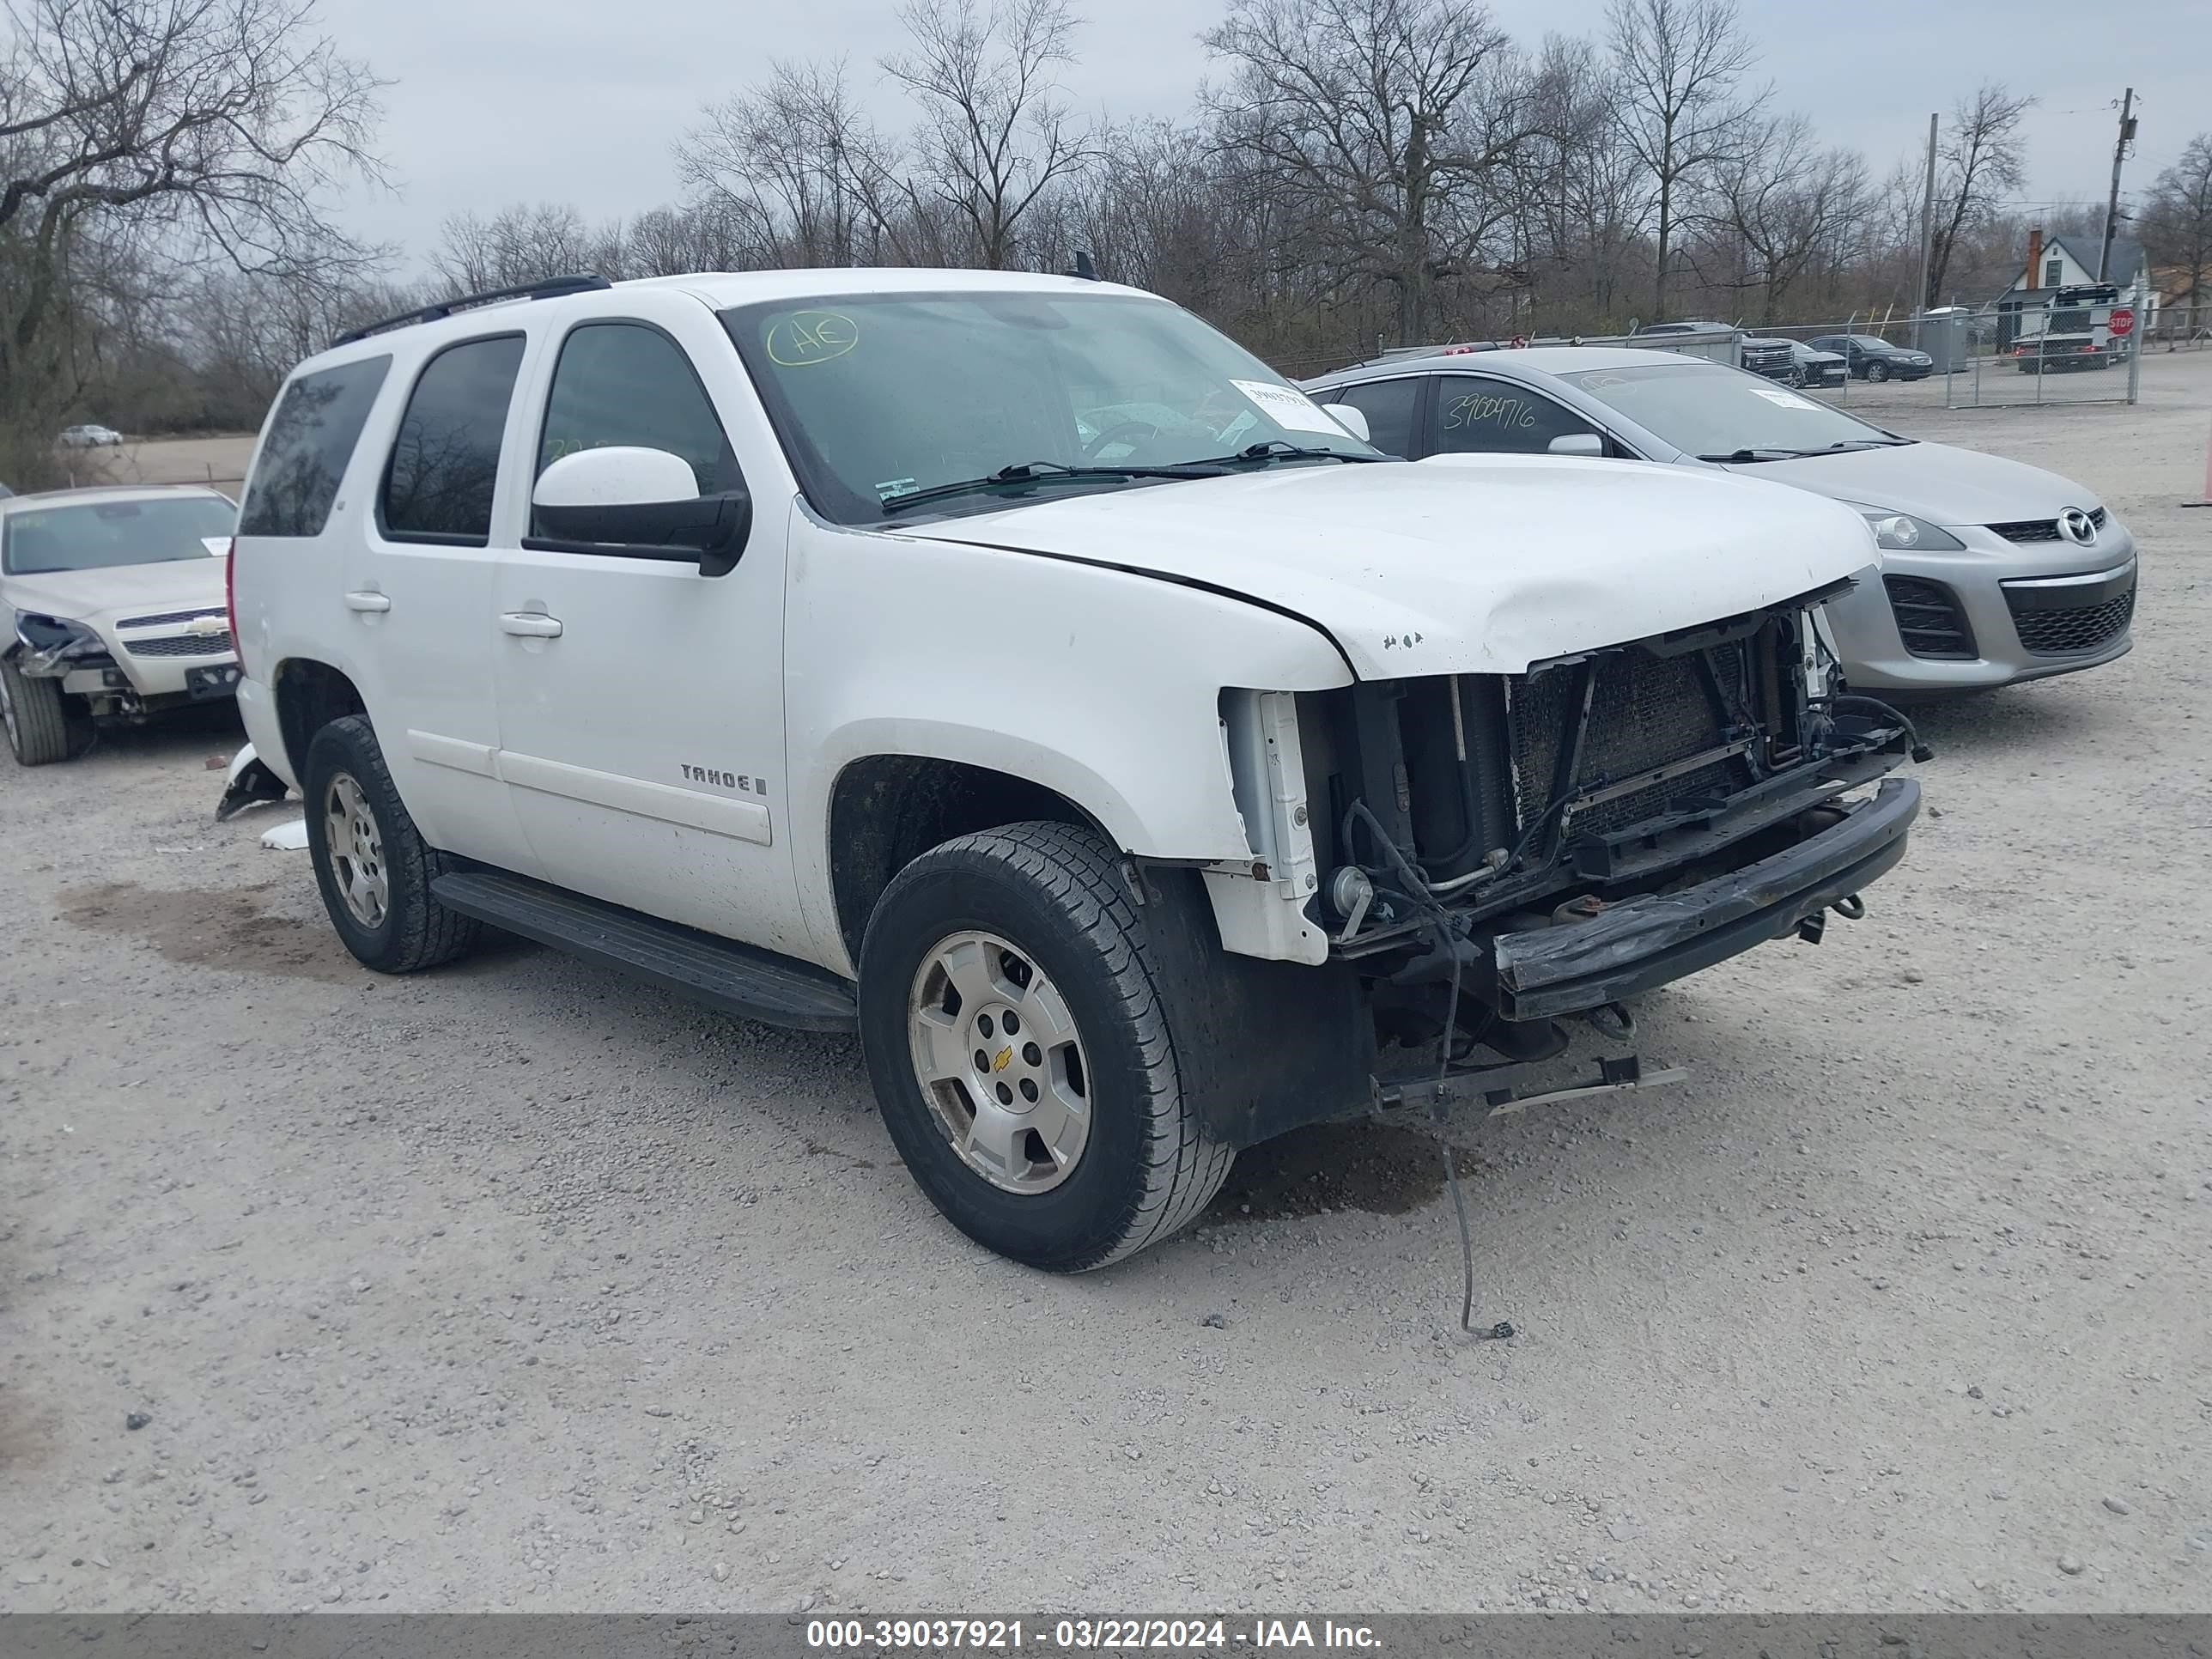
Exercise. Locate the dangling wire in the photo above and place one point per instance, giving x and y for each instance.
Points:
(1443, 1145)
(1450, 934)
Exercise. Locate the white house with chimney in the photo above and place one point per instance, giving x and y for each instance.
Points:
(2055, 266)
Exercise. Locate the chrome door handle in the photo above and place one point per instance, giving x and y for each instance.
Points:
(530, 624)
(371, 603)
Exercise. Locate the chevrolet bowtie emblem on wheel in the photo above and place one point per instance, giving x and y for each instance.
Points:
(999, 1060)
(2077, 526)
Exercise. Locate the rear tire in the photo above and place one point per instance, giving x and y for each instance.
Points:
(41, 727)
(1042, 908)
(373, 866)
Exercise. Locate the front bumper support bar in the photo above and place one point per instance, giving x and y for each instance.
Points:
(1650, 940)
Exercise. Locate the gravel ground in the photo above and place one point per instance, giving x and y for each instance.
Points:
(516, 1286)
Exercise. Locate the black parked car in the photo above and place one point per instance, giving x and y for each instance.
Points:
(1791, 361)
(1872, 358)
(1765, 355)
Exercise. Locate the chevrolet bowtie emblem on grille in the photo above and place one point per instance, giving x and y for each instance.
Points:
(2077, 526)
(207, 625)
(999, 1060)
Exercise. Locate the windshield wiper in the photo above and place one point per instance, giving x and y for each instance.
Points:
(1746, 457)
(1275, 449)
(1037, 472)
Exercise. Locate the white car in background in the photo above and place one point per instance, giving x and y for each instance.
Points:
(1992, 572)
(90, 437)
(113, 602)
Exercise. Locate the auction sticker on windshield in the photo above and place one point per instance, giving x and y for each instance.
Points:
(1288, 407)
(1786, 399)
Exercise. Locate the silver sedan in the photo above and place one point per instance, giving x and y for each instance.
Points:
(1991, 572)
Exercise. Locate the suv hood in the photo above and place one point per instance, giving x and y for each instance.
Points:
(1946, 486)
(124, 590)
(1461, 564)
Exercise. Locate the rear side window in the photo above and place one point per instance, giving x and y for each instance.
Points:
(1388, 406)
(310, 440)
(1476, 414)
(625, 383)
(444, 458)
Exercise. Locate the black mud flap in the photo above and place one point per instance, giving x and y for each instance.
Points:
(255, 784)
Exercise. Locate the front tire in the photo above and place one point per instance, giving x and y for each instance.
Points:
(41, 726)
(1021, 1052)
(1877, 372)
(373, 866)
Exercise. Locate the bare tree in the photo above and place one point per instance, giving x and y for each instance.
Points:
(520, 243)
(669, 241)
(1980, 164)
(1777, 203)
(1680, 63)
(792, 170)
(213, 126)
(1579, 210)
(1394, 121)
(995, 131)
(2176, 221)
(241, 333)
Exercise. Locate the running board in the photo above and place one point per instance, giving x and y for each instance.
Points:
(736, 979)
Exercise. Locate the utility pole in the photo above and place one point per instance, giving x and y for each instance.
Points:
(1927, 221)
(2119, 154)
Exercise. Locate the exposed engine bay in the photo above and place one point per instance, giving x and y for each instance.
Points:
(1480, 830)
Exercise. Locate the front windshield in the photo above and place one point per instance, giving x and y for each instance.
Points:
(879, 397)
(1709, 410)
(100, 535)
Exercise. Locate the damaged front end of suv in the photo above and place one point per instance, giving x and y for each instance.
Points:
(1493, 853)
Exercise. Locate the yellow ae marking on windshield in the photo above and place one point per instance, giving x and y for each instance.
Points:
(810, 336)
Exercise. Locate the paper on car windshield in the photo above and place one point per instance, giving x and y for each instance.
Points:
(1289, 407)
(217, 546)
(1786, 399)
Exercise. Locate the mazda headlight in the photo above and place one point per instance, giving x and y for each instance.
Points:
(1900, 533)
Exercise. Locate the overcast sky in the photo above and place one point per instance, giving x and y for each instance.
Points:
(578, 101)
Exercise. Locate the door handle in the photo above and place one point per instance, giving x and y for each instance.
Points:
(369, 604)
(530, 624)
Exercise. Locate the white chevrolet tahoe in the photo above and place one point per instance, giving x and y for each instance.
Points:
(1015, 670)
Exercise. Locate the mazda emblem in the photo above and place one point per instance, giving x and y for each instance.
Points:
(2077, 526)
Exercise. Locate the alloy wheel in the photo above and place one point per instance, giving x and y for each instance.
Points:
(355, 848)
(998, 1058)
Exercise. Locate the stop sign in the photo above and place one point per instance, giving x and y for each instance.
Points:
(2122, 322)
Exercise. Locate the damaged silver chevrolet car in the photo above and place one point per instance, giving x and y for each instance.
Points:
(114, 605)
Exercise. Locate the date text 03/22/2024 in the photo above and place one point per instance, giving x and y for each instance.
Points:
(1081, 1635)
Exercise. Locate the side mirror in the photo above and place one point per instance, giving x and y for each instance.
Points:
(1350, 419)
(1577, 443)
(623, 497)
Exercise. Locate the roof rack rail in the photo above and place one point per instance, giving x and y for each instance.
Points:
(547, 288)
